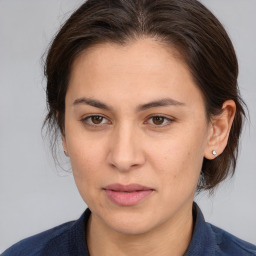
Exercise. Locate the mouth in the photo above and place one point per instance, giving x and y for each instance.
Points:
(127, 195)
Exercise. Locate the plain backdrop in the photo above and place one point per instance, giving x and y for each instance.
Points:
(34, 194)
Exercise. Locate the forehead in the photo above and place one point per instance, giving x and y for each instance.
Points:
(141, 69)
(147, 54)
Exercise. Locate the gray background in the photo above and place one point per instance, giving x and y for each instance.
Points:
(34, 196)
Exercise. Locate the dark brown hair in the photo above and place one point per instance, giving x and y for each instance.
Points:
(185, 25)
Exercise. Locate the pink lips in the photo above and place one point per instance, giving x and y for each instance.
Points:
(127, 195)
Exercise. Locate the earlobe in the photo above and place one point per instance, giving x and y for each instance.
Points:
(220, 128)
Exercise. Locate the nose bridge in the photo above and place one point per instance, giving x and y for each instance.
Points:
(125, 151)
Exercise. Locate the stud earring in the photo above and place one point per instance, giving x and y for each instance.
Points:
(214, 153)
(66, 154)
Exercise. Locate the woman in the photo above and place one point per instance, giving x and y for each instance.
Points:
(144, 94)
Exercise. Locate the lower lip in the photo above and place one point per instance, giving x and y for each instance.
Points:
(127, 198)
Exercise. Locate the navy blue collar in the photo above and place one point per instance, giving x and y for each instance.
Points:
(202, 242)
(207, 239)
(203, 239)
(69, 239)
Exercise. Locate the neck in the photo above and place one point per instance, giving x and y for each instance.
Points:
(170, 238)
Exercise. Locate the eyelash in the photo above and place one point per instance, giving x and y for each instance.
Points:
(84, 120)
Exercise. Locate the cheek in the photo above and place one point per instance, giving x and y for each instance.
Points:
(181, 160)
(85, 167)
(85, 161)
(84, 149)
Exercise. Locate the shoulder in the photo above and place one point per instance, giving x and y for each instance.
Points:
(211, 240)
(228, 244)
(37, 244)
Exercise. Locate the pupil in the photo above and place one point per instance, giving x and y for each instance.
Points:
(157, 119)
(97, 119)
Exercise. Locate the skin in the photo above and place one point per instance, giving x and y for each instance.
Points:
(127, 146)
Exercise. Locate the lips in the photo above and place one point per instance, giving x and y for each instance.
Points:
(127, 195)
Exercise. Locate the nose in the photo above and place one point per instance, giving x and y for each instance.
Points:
(126, 151)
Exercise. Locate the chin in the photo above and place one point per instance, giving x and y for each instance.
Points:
(129, 221)
(131, 227)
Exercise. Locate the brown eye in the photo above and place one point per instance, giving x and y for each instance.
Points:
(160, 121)
(93, 120)
(96, 119)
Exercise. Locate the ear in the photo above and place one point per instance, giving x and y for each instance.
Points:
(64, 144)
(220, 126)
(63, 138)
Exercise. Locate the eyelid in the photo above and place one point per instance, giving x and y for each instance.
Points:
(88, 117)
(169, 120)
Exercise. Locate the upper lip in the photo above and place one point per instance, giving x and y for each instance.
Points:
(126, 188)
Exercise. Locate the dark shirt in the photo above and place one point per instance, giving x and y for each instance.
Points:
(69, 239)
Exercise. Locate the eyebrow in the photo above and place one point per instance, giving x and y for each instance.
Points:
(139, 108)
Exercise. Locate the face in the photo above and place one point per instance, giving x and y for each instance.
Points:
(136, 165)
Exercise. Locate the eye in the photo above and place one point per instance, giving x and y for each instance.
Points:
(95, 120)
(161, 121)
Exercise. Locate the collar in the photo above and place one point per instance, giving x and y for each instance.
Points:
(203, 239)
(202, 242)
